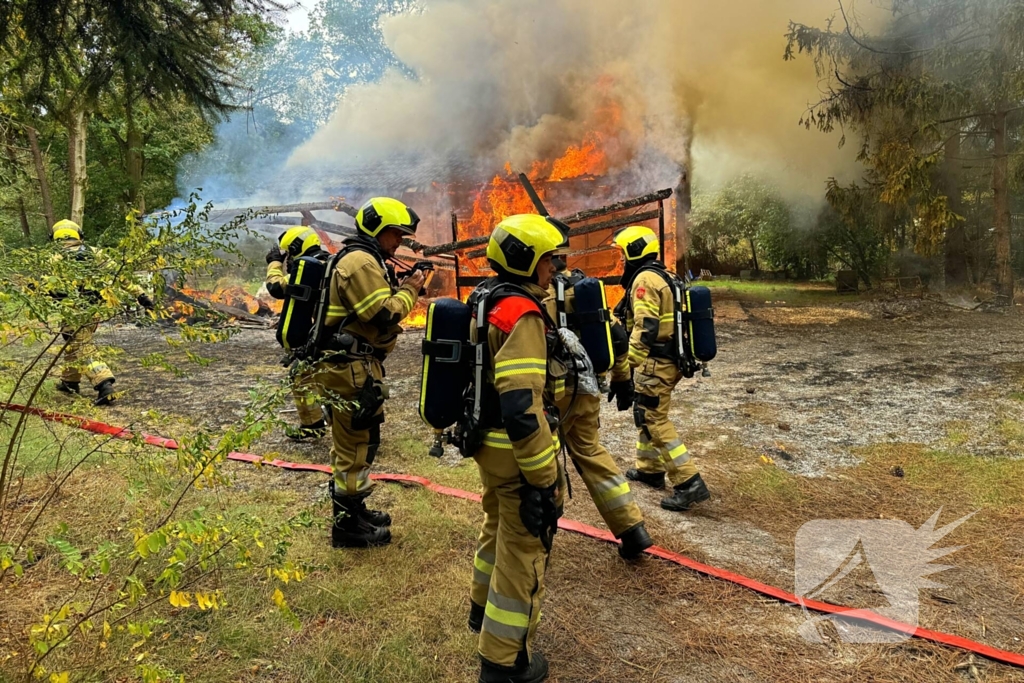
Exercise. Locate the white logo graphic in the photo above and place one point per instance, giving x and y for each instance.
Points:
(896, 555)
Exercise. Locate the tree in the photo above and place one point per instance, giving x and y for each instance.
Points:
(293, 84)
(940, 74)
(744, 211)
(70, 54)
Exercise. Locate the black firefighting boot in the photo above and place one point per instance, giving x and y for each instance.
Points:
(686, 495)
(653, 479)
(350, 529)
(476, 617)
(534, 671)
(104, 393)
(69, 387)
(634, 542)
(313, 431)
(375, 517)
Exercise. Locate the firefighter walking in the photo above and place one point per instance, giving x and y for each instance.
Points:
(80, 354)
(517, 460)
(365, 308)
(579, 427)
(293, 244)
(647, 312)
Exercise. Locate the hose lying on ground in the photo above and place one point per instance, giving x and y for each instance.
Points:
(860, 615)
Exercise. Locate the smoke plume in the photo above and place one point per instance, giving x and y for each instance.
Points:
(665, 83)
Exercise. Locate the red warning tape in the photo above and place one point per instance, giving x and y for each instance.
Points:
(862, 615)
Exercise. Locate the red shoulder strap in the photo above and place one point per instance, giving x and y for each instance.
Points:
(507, 312)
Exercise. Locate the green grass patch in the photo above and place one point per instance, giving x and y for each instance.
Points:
(944, 478)
(768, 484)
(780, 293)
(958, 432)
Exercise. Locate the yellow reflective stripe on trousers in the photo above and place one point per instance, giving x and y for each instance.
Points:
(645, 451)
(520, 366)
(506, 617)
(612, 493)
(677, 452)
(483, 567)
(373, 298)
(498, 440)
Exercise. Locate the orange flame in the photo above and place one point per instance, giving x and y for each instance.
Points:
(417, 318)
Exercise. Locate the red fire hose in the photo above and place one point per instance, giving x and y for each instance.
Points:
(861, 615)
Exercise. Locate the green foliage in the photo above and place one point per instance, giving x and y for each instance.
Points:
(121, 592)
(933, 96)
(748, 223)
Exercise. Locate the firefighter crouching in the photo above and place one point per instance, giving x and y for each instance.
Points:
(580, 422)
(365, 308)
(647, 311)
(293, 244)
(517, 459)
(80, 354)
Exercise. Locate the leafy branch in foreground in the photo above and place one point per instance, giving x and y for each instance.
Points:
(116, 592)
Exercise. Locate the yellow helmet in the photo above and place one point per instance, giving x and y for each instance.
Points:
(298, 241)
(518, 243)
(384, 212)
(637, 242)
(66, 230)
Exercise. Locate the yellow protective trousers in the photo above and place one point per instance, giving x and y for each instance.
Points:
(80, 357)
(508, 568)
(352, 450)
(606, 484)
(306, 393)
(658, 446)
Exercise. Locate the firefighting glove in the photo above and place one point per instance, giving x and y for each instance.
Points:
(275, 254)
(145, 302)
(539, 511)
(623, 393)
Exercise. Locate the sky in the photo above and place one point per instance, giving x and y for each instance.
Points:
(296, 19)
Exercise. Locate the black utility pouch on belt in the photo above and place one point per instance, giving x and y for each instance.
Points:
(371, 398)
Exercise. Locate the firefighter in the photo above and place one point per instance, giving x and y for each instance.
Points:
(366, 306)
(518, 468)
(581, 413)
(647, 311)
(79, 352)
(296, 242)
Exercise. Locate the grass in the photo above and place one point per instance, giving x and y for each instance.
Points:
(780, 293)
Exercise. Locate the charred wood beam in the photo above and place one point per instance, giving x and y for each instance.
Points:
(267, 210)
(223, 309)
(620, 206)
(597, 227)
(580, 217)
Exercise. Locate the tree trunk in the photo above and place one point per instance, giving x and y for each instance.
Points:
(134, 161)
(1001, 197)
(44, 183)
(24, 217)
(956, 242)
(77, 133)
(753, 252)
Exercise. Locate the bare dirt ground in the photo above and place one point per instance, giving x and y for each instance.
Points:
(808, 414)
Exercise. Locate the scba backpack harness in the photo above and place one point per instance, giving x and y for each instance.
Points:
(693, 344)
(332, 343)
(301, 299)
(591, 319)
(454, 391)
